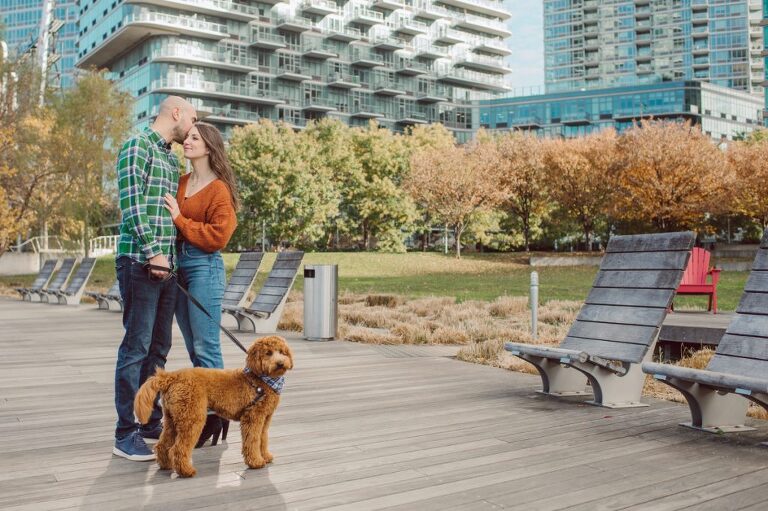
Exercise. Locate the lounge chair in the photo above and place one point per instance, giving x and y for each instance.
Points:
(241, 280)
(263, 315)
(617, 327)
(739, 368)
(67, 265)
(31, 293)
(109, 300)
(72, 294)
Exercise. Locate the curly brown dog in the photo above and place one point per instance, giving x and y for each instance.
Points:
(248, 395)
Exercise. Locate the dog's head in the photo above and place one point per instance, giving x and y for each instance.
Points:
(269, 356)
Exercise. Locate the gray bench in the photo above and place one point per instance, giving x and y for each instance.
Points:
(72, 294)
(263, 314)
(241, 280)
(109, 300)
(31, 293)
(739, 368)
(617, 327)
(57, 284)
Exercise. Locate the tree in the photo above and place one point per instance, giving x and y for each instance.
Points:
(670, 175)
(453, 184)
(91, 120)
(523, 179)
(749, 162)
(582, 178)
(279, 185)
(373, 201)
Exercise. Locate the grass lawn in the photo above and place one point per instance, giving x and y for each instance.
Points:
(474, 277)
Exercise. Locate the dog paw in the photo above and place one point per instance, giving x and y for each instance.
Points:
(257, 463)
(268, 457)
(186, 472)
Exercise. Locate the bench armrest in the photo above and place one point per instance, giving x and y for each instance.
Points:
(714, 275)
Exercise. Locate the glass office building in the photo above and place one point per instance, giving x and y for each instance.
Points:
(607, 43)
(402, 62)
(720, 111)
(21, 21)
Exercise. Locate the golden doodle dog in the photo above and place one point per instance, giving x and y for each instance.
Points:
(248, 395)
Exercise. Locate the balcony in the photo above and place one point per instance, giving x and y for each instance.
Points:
(293, 23)
(140, 25)
(484, 25)
(363, 16)
(345, 34)
(431, 51)
(192, 86)
(409, 67)
(427, 10)
(472, 79)
(364, 58)
(316, 49)
(231, 116)
(266, 40)
(364, 111)
(494, 46)
(292, 73)
(412, 118)
(530, 122)
(450, 36)
(387, 43)
(220, 8)
(576, 119)
(482, 6)
(196, 56)
(483, 63)
(318, 104)
(386, 87)
(408, 26)
(343, 81)
(319, 7)
(389, 5)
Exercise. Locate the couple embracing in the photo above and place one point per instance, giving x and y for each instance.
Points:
(169, 222)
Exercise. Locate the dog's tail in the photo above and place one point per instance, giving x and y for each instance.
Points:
(145, 397)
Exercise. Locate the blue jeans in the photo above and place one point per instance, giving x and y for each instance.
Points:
(202, 274)
(147, 318)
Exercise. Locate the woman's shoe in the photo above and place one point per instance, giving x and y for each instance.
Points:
(212, 429)
(224, 429)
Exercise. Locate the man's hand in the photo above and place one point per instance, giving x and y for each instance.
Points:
(159, 260)
(171, 205)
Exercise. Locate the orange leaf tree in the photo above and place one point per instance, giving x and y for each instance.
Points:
(749, 162)
(671, 175)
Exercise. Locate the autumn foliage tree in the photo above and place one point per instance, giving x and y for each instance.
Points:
(749, 162)
(670, 175)
(582, 178)
(454, 183)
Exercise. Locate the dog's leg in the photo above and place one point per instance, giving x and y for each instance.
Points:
(265, 441)
(188, 429)
(251, 427)
(167, 439)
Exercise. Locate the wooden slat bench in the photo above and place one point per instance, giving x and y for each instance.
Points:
(31, 293)
(241, 280)
(109, 300)
(618, 325)
(72, 294)
(739, 368)
(57, 284)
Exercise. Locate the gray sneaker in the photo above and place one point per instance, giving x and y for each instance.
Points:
(133, 447)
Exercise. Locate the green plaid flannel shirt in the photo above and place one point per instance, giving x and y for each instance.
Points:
(146, 171)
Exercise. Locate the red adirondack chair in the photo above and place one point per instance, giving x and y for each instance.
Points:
(695, 278)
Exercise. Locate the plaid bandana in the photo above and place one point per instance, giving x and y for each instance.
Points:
(275, 384)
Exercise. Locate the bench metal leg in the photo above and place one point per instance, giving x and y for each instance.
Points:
(612, 390)
(557, 379)
(712, 411)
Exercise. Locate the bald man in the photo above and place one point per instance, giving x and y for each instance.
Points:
(146, 171)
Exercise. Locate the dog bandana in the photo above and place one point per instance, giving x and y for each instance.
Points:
(275, 384)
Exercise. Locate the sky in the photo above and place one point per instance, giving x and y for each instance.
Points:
(527, 44)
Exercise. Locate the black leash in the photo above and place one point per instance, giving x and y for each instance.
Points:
(172, 275)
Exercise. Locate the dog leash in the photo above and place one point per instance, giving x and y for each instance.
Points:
(194, 300)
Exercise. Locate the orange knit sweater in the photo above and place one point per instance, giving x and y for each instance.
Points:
(207, 219)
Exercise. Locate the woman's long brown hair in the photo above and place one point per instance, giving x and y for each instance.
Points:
(217, 156)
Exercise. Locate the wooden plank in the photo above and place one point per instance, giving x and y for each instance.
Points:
(753, 303)
(748, 324)
(626, 352)
(623, 315)
(633, 297)
(761, 260)
(611, 332)
(270, 290)
(650, 279)
(739, 366)
(644, 261)
(287, 274)
(287, 265)
(744, 346)
(278, 282)
(651, 242)
(757, 282)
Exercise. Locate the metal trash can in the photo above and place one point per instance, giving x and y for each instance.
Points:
(321, 317)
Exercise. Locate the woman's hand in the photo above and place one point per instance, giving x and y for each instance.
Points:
(172, 206)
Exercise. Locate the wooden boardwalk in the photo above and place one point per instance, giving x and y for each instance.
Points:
(360, 427)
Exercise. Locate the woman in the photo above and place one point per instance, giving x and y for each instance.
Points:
(204, 214)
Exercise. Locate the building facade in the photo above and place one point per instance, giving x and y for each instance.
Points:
(720, 111)
(608, 43)
(21, 20)
(399, 62)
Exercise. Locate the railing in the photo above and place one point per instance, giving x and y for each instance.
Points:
(39, 244)
(261, 36)
(482, 59)
(322, 4)
(103, 245)
(186, 51)
(344, 77)
(229, 113)
(193, 83)
(176, 21)
(224, 5)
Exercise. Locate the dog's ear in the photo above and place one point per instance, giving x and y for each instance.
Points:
(253, 358)
(289, 352)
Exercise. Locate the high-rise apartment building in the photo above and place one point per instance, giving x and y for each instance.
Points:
(608, 43)
(401, 62)
(21, 20)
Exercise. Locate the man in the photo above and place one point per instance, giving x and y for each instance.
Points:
(146, 171)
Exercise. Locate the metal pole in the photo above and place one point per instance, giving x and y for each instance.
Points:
(445, 240)
(263, 235)
(534, 304)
